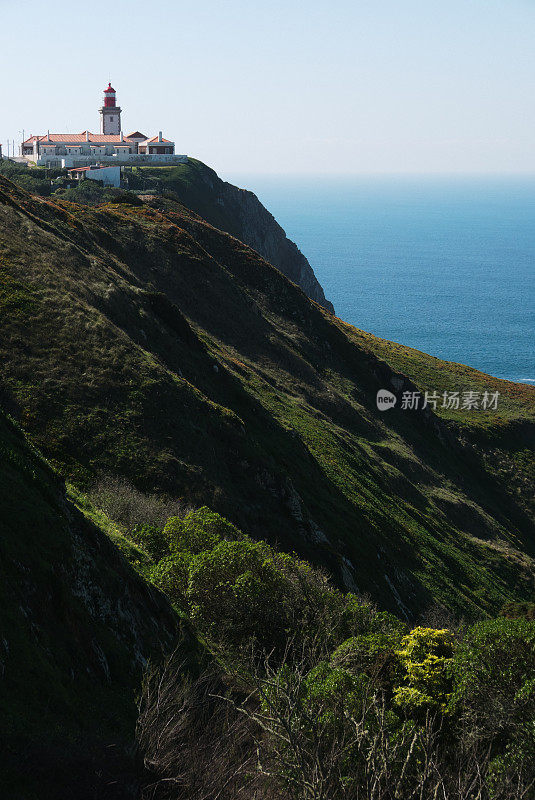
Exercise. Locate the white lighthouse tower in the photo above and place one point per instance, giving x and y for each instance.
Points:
(110, 113)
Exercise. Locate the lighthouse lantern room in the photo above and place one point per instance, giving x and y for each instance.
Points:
(110, 113)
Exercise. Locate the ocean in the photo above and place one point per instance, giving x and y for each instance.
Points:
(446, 265)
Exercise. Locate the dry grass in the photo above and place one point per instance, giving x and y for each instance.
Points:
(128, 507)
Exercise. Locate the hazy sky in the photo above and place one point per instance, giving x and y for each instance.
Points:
(249, 86)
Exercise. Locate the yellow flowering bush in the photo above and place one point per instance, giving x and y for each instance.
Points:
(425, 657)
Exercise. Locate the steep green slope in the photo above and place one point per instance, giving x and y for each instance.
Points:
(234, 210)
(145, 342)
(77, 625)
(503, 437)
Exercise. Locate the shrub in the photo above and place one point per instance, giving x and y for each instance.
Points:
(199, 530)
(129, 507)
(35, 181)
(194, 744)
(238, 590)
(86, 192)
(151, 539)
(122, 196)
(341, 701)
(171, 576)
(241, 591)
(494, 675)
(494, 697)
(425, 657)
(373, 652)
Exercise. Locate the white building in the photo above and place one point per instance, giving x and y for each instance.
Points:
(110, 176)
(110, 145)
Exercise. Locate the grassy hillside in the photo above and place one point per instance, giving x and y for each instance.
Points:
(234, 210)
(142, 341)
(503, 438)
(196, 186)
(193, 183)
(77, 626)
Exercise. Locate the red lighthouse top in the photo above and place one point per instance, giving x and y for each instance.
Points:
(109, 96)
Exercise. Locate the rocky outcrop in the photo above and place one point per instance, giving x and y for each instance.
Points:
(261, 231)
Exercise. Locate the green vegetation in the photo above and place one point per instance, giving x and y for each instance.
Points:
(34, 180)
(433, 374)
(317, 694)
(426, 656)
(191, 184)
(194, 185)
(208, 567)
(77, 624)
(55, 183)
(519, 611)
(219, 431)
(200, 189)
(93, 193)
(504, 438)
(265, 405)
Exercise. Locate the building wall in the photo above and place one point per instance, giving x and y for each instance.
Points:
(110, 176)
(132, 159)
(90, 153)
(110, 122)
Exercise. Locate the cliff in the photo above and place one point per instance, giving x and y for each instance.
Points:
(142, 341)
(258, 228)
(238, 212)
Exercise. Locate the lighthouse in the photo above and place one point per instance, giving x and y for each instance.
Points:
(110, 113)
(111, 145)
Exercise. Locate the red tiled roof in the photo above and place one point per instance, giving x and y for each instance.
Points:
(94, 138)
(93, 169)
(78, 138)
(155, 139)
